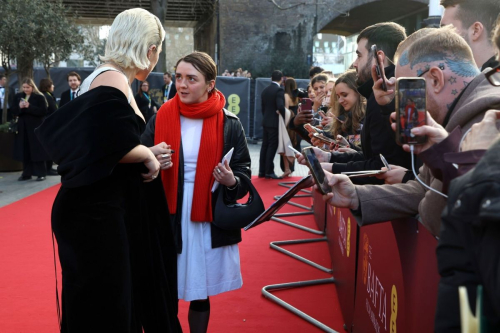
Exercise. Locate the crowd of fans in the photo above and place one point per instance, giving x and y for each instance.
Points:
(237, 73)
(451, 181)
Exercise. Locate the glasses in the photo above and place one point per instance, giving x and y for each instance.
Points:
(145, 85)
(493, 76)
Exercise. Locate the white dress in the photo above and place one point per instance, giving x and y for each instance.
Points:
(201, 270)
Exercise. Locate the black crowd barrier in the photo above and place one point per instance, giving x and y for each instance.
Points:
(242, 94)
(385, 274)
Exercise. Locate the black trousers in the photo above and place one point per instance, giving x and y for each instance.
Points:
(268, 150)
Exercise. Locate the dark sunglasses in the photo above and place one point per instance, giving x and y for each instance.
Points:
(493, 76)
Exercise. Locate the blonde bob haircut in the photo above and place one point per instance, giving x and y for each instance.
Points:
(132, 34)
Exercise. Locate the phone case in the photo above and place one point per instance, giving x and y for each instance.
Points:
(322, 186)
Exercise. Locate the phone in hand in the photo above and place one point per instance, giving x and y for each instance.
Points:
(306, 104)
(324, 139)
(378, 66)
(311, 129)
(411, 106)
(316, 170)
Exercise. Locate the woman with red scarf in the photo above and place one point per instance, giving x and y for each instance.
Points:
(200, 132)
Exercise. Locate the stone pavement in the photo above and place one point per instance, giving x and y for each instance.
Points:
(12, 190)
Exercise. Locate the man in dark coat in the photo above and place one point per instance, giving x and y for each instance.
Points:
(168, 90)
(273, 101)
(74, 81)
(7, 98)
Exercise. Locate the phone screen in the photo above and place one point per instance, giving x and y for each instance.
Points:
(410, 109)
(316, 170)
(306, 104)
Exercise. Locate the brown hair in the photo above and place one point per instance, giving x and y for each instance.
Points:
(74, 74)
(386, 35)
(45, 85)
(290, 86)
(140, 86)
(352, 122)
(168, 74)
(203, 64)
(318, 78)
(470, 11)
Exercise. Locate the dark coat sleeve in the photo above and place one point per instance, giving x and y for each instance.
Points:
(90, 139)
(280, 102)
(148, 136)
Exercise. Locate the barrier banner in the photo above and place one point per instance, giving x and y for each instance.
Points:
(319, 208)
(396, 287)
(237, 93)
(260, 85)
(342, 233)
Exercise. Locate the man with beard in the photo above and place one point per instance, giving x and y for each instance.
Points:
(377, 136)
(74, 81)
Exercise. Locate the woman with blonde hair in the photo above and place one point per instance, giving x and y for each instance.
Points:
(30, 108)
(116, 251)
(348, 108)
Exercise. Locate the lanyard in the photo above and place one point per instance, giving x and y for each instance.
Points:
(149, 98)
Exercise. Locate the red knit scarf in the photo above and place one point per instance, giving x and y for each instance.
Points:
(168, 130)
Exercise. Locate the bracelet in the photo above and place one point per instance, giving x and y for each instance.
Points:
(235, 185)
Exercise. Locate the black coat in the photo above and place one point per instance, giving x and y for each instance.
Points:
(377, 137)
(273, 99)
(65, 97)
(143, 105)
(171, 93)
(52, 105)
(468, 252)
(234, 136)
(29, 119)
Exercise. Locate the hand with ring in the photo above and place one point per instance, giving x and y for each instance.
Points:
(163, 154)
(224, 175)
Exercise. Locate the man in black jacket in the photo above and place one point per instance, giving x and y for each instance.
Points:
(273, 100)
(74, 81)
(377, 136)
(168, 90)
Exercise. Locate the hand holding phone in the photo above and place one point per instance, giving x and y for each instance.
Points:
(316, 170)
(311, 129)
(306, 105)
(379, 66)
(411, 108)
(324, 139)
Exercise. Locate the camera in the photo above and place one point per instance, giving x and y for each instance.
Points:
(300, 93)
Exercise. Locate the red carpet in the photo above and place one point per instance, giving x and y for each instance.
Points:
(27, 286)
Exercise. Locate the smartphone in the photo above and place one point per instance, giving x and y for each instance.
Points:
(316, 170)
(311, 129)
(306, 104)
(411, 109)
(364, 173)
(295, 150)
(324, 139)
(378, 66)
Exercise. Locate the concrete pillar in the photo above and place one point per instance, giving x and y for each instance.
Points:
(159, 9)
(435, 13)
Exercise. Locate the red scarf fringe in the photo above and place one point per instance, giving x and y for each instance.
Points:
(168, 130)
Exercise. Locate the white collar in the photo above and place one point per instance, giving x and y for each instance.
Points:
(276, 83)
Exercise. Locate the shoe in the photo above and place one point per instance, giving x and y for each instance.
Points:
(272, 176)
(52, 172)
(287, 173)
(22, 178)
(39, 179)
(261, 175)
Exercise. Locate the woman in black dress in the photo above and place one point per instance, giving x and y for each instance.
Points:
(47, 89)
(117, 253)
(30, 107)
(145, 102)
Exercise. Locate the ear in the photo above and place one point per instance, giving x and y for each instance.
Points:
(385, 60)
(437, 79)
(151, 49)
(476, 31)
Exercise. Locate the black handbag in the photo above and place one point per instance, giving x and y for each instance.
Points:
(235, 215)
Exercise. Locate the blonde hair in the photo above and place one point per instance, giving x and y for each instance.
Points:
(352, 122)
(405, 44)
(131, 35)
(29, 81)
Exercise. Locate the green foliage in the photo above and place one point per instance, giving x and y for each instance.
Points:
(38, 30)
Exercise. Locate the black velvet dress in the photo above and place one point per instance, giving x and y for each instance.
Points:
(113, 231)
